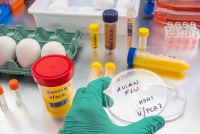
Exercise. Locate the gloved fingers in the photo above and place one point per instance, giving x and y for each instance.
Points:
(96, 87)
(149, 125)
(79, 94)
(107, 101)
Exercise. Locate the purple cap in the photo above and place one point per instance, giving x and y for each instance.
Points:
(110, 16)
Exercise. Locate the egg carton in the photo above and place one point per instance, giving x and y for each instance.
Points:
(70, 41)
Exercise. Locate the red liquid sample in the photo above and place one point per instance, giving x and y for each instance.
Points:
(178, 10)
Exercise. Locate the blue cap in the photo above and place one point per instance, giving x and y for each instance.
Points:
(5, 10)
(149, 7)
(131, 56)
(110, 16)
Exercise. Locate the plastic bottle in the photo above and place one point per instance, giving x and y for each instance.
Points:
(159, 62)
(14, 86)
(143, 33)
(95, 71)
(3, 103)
(110, 17)
(53, 74)
(94, 35)
(110, 69)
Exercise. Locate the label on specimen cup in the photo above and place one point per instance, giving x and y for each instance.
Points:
(57, 99)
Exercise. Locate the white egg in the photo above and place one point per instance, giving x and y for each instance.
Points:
(53, 47)
(27, 51)
(7, 49)
(127, 4)
(103, 4)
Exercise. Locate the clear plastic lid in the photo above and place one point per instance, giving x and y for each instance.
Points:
(139, 93)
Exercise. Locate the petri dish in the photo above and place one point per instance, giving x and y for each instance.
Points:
(139, 93)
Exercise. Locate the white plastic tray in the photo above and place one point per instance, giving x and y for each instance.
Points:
(76, 16)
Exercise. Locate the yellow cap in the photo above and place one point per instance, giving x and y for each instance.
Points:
(143, 32)
(96, 64)
(110, 65)
(94, 28)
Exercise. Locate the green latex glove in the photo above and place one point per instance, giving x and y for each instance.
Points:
(87, 115)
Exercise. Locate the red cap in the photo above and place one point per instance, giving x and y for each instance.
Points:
(13, 84)
(53, 70)
(1, 89)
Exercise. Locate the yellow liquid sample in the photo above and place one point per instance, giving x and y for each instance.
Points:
(160, 62)
(57, 100)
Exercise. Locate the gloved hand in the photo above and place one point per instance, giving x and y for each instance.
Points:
(87, 115)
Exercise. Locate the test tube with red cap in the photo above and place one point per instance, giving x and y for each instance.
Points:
(3, 103)
(14, 86)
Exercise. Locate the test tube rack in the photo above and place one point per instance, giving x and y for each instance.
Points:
(71, 42)
(182, 35)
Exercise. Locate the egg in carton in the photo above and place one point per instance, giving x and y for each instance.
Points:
(69, 41)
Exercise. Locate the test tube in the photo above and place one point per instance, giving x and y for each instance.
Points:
(3, 103)
(110, 17)
(95, 71)
(94, 35)
(110, 69)
(143, 35)
(14, 86)
(130, 25)
(159, 62)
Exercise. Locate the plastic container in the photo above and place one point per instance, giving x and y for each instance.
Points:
(139, 93)
(53, 74)
(159, 62)
(182, 36)
(110, 69)
(143, 33)
(71, 42)
(3, 103)
(94, 35)
(77, 11)
(95, 71)
(14, 86)
(110, 18)
(177, 11)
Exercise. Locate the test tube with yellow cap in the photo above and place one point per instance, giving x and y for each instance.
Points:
(3, 103)
(159, 62)
(14, 86)
(143, 35)
(94, 35)
(110, 69)
(95, 70)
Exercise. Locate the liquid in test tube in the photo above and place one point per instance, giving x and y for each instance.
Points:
(95, 71)
(14, 86)
(154, 61)
(94, 35)
(143, 33)
(3, 103)
(110, 69)
(110, 18)
(130, 25)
